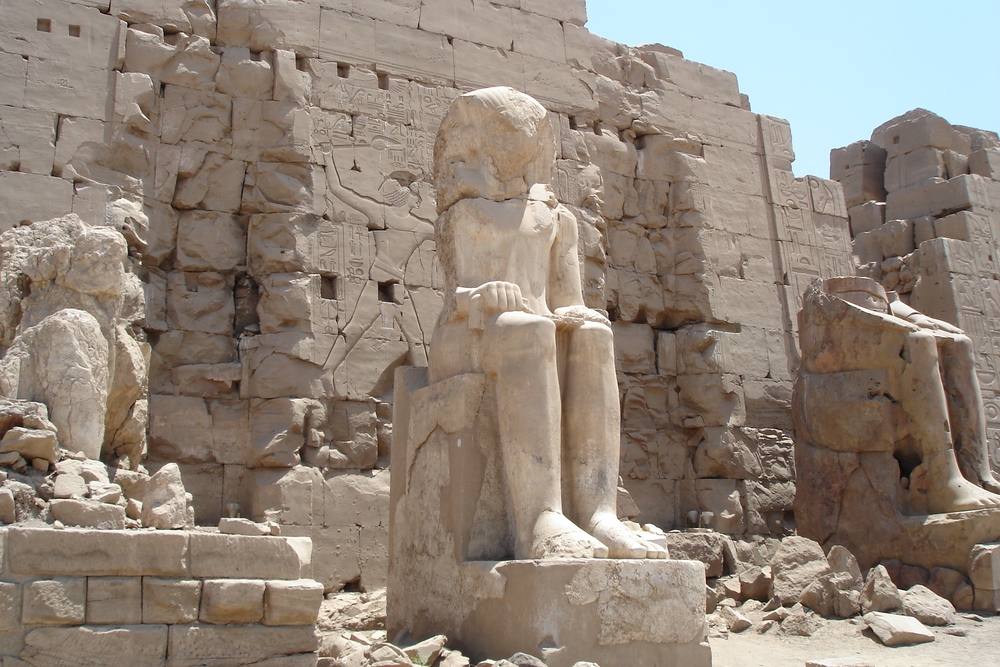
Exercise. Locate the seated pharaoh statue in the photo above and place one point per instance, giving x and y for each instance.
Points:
(514, 310)
(889, 422)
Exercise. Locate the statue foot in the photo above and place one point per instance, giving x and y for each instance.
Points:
(622, 542)
(956, 494)
(555, 536)
(990, 483)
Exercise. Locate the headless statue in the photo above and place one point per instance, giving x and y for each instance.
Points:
(939, 390)
(514, 310)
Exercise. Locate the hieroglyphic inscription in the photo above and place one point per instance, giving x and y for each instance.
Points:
(827, 197)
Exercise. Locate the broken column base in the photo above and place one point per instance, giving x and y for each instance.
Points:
(640, 613)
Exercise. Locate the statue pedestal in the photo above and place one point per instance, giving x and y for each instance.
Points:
(449, 531)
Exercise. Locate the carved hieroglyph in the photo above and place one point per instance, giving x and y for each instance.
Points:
(514, 310)
(890, 429)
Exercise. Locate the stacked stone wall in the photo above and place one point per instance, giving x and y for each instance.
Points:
(281, 154)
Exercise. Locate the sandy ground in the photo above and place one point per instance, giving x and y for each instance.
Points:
(980, 647)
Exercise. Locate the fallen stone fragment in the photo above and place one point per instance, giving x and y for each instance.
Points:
(105, 493)
(896, 630)
(798, 562)
(7, 512)
(31, 443)
(236, 526)
(840, 662)
(735, 621)
(928, 607)
(879, 593)
(69, 485)
(427, 651)
(89, 514)
(525, 660)
(166, 505)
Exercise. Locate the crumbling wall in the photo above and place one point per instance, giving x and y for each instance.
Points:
(924, 198)
(281, 152)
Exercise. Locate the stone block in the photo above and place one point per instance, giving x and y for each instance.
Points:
(537, 36)
(986, 163)
(200, 302)
(291, 496)
(478, 21)
(938, 197)
(68, 88)
(29, 139)
(589, 608)
(373, 556)
(232, 601)
(114, 600)
(59, 601)
(477, 66)
(961, 226)
(424, 56)
(10, 609)
(400, 12)
(13, 75)
(60, 31)
(135, 645)
(241, 556)
(88, 514)
(278, 430)
(861, 155)
(634, 348)
(568, 11)
(191, 645)
(919, 129)
(292, 602)
(666, 353)
(170, 601)
(336, 550)
(357, 500)
(693, 78)
(923, 164)
(345, 37)
(707, 548)
(167, 15)
(210, 241)
(984, 566)
(560, 88)
(866, 217)
(32, 198)
(95, 553)
(281, 24)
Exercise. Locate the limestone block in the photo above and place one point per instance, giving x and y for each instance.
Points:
(220, 644)
(293, 497)
(41, 551)
(189, 430)
(88, 514)
(867, 217)
(141, 645)
(278, 430)
(918, 129)
(477, 65)
(937, 197)
(31, 443)
(279, 187)
(797, 563)
(147, 52)
(194, 65)
(986, 163)
(561, 88)
(28, 143)
(209, 241)
(200, 302)
(986, 600)
(289, 364)
(537, 36)
(634, 348)
(215, 185)
(584, 48)
(568, 11)
(165, 505)
(345, 36)
(906, 169)
(208, 380)
(710, 400)
(13, 75)
(245, 74)
(67, 32)
(68, 87)
(337, 552)
(65, 355)
(58, 601)
(721, 498)
(706, 548)
(477, 21)
(240, 556)
(693, 78)
(727, 454)
(265, 26)
(8, 513)
(32, 197)
(170, 600)
(271, 131)
(928, 607)
(292, 602)
(373, 556)
(895, 630)
(357, 500)
(284, 243)
(114, 600)
(192, 17)
(984, 566)
(424, 56)
(232, 601)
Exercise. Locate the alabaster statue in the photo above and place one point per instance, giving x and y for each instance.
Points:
(934, 422)
(514, 311)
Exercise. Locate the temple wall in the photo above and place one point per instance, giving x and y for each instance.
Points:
(281, 153)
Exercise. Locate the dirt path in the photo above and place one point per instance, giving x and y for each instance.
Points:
(980, 647)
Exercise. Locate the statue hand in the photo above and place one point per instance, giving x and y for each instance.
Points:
(494, 297)
(925, 322)
(582, 313)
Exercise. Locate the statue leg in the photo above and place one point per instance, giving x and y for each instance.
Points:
(965, 408)
(591, 440)
(937, 482)
(519, 354)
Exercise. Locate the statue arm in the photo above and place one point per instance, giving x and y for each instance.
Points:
(565, 291)
(367, 207)
(914, 316)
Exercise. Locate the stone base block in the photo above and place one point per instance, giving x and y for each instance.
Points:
(640, 613)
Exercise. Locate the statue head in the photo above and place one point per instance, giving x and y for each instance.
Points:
(494, 143)
(860, 291)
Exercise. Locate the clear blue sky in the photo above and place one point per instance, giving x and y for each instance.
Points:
(835, 70)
